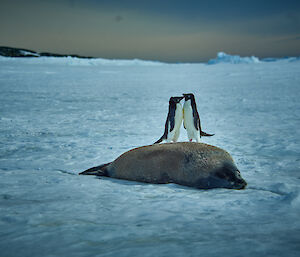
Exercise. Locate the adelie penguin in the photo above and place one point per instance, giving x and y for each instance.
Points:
(191, 118)
(173, 122)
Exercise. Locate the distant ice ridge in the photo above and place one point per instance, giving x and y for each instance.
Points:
(74, 61)
(289, 59)
(235, 59)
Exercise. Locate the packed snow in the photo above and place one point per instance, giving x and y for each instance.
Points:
(59, 116)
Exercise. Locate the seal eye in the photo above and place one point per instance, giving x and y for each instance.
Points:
(227, 174)
(220, 174)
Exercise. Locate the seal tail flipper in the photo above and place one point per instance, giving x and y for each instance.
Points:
(204, 134)
(97, 171)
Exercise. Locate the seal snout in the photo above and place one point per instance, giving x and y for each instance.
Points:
(240, 184)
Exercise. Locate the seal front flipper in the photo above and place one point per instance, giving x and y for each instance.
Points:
(97, 171)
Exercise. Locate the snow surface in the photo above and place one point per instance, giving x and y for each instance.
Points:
(59, 116)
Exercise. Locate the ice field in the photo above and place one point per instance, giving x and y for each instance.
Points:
(60, 116)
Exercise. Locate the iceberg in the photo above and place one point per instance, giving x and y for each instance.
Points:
(235, 59)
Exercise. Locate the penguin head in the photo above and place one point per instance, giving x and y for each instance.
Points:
(175, 99)
(189, 96)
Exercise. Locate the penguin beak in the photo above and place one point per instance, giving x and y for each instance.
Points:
(181, 97)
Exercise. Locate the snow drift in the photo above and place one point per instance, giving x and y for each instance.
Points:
(58, 119)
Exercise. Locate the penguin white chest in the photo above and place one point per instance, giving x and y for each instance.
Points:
(178, 116)
(188, 116)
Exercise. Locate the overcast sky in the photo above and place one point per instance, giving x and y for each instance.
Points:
(166, 30)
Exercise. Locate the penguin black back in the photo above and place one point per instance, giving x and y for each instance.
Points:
(172, 109)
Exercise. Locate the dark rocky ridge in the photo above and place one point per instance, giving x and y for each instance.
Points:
(20, 52)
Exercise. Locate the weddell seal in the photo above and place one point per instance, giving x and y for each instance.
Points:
(186, 163)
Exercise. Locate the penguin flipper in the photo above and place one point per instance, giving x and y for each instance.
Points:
(164, 136)
(204, 134)
(97, 171)
(159, 140)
